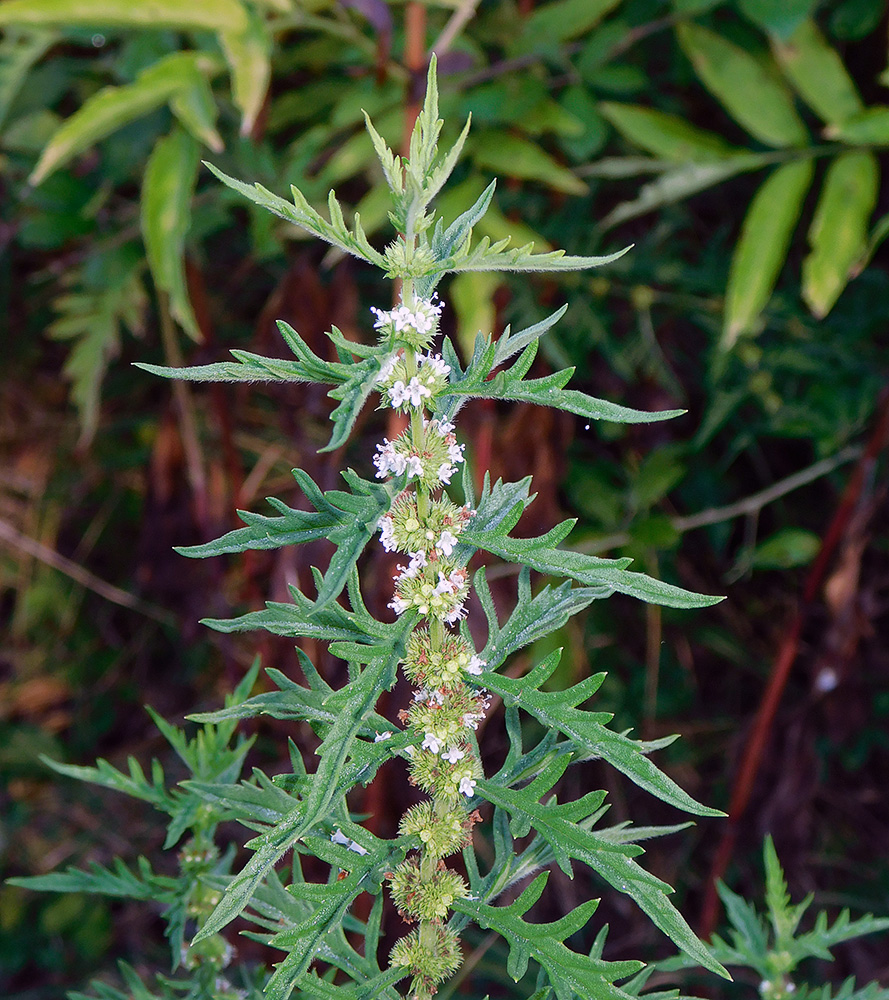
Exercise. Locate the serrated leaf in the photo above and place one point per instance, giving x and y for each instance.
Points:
(752, 95)
(557, 710)
(558, 825)
(120, 882)
(93, 320)
(301, 214)
(113, 107)
(762, 247)
(135, 783)
(356, 703)
(570, 974)
(838, 235)
(817, 73)
(665, 135)
(165, 212)
(610, 575)
(348, 520)
(248, 52)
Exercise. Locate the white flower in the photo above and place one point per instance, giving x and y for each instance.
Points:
(433, 743)
(338, 837)
(386, 369)
(446, 543)
(471, 720)
(445, 471)
(418, 561)
(387, 539)
(476, 665)
(436, 363)
(398, 605)
(456, 615)
(416, 392)
(380, 737)
(398, 393)
(453, 755)
(414, 467)
(388, 460)
(436, 697)
(467, 787)
(445, 585)
(443, 427)
(455, 452)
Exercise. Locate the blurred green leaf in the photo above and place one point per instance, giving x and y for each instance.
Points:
(762, 247)
(745, 87)
(659, 472)
(778, 17)
(562, 20)
(838, 234)
(213, 15)
(870, 127)
(248, 51)
(786, 548)
(517, 157)
(113, 107)
(18, 53)
(472, 296)
(195, 107)
(817, 73)
(92, 319)
(677, 183)
(170, 177)
(665, 135)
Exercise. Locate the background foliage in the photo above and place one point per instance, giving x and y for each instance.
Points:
(739, 145)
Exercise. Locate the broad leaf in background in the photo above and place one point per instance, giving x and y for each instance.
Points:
(170, 178)
(817, 73)
(762, 247)
(208, 15)
(839, 231)
(751, 94)
(113, 107)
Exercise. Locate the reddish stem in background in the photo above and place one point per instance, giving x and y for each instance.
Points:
(751, 759)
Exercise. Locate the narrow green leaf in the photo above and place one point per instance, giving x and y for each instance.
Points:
(869, 127)
(817, 73)
(211, 15)
(301, 214)
(779, 17)
(563, 20)
(665, 135)
(113, 107)
(248, 51)
(751, 94)
(195, 108)
(19, 51)
(762, 247)
(678, 183)
(557, 710)
(517, 157)
(167, 189)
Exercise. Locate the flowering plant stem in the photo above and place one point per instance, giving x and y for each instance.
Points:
(430, 641)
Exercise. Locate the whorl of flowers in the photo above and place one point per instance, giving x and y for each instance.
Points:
(424, 525)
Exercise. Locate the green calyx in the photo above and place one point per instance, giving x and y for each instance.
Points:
(419, 896)
(440, 833)
(429, 966)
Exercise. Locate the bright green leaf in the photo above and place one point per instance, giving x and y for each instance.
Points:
(113, 107)
(751, 94)
(248, 51)
(817, 73)
(779, 17)
(664, 135)
(562, 20)
(517, 157)
(167, 190)
(212, 15)
(869, 127)
(838, 234)
(786, 548)
(762, 247)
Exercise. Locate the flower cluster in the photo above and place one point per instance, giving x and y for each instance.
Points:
(413, 325)
(403, 389)
(432, 461)
(425, 526)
